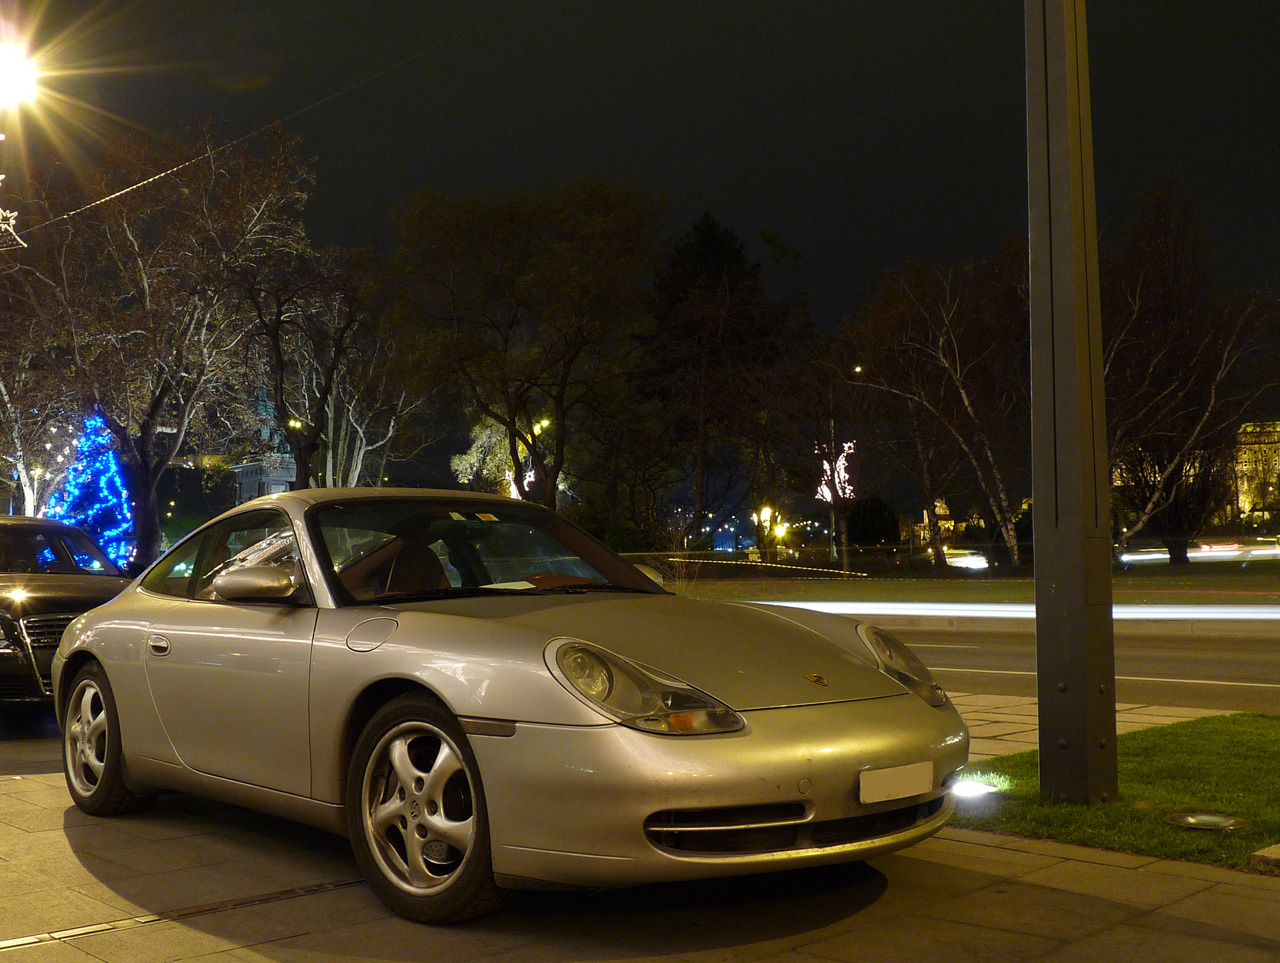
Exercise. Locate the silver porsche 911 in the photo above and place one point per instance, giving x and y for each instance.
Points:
(482, 697)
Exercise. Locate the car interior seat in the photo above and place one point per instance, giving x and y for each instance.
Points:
(416, 568)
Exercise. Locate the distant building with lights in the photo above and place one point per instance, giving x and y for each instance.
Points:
(1258, 471)
(946, 524)
(269, 475)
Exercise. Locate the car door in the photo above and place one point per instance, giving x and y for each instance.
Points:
(230, 679)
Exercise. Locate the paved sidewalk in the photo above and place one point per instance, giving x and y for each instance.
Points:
(1000, 725)
(192, 880)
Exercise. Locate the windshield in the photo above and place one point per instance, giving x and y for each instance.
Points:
(30, 550)
(398, 548)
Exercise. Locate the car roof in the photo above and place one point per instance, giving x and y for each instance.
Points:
(33, 521)
(319, 496)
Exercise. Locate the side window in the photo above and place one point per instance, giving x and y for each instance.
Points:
(172, 574)
(255, 538)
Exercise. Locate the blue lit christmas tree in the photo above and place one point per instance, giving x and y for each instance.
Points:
(94, 496)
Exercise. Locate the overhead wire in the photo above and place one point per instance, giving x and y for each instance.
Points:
(280, 121)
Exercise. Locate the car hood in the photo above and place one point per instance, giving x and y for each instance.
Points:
(747, 656)
(49, 594)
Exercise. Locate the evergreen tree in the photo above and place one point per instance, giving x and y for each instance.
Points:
(94, 496)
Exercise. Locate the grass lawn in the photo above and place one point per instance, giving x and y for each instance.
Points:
(1219, 764)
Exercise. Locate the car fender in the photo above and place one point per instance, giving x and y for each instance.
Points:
(115, 635)
(478, 669)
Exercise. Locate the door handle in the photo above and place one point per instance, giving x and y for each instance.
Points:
(158, 645)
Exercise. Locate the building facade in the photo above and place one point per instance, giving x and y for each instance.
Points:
(1258, 472)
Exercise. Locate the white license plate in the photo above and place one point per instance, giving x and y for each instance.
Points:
(878, 785)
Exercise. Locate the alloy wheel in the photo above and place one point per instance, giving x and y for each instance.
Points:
(417, 808)
(86, 738)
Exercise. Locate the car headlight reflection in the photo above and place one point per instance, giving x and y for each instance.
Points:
(898, 661)
(588, 672)
(636, 696)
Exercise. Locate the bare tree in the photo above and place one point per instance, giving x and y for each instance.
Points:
(530, 300)
(373, 415)
(38, 410)
(1182, 368)
(929, 455)
(953, 344)
(308, 309)
(143, 311)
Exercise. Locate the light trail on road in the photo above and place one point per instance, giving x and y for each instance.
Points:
(1119, 678)
(1023, 610)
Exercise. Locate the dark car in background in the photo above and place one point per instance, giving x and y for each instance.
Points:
(50, 572)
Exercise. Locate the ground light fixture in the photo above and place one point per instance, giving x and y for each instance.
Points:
(1223, 822)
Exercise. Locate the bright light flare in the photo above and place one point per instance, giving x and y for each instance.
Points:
(963, 558)
(972, 789)
(18, 76)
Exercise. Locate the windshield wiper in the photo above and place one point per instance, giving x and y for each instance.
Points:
(461, 592)
(595, 587)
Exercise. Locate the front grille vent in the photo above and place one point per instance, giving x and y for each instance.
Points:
(841, 832)
(14, 688)
(743, 830)
(42, 634)
(45, 631)
(727, 830)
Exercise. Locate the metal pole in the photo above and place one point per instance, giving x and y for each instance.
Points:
(1075, 650)
(835, 556)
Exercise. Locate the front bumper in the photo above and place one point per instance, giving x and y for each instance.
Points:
(26, 652)
(19, 680)
(610, 806)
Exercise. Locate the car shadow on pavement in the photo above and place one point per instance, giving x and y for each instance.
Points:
(691, 917)
(203, 867)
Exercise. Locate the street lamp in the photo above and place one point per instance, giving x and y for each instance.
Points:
(18, 76)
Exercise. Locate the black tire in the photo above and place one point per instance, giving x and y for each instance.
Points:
(91, 757)
(416, 814)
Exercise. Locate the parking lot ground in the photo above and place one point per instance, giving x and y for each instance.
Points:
(187, 879)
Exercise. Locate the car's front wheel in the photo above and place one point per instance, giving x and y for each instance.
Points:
(416, 814)
(91, 757)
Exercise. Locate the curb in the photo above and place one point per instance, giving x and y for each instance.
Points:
(1268, 858)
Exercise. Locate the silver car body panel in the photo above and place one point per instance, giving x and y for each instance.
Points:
(153, 774)
(748, 657)
(252, 705)
(223, 676)
(569, 805)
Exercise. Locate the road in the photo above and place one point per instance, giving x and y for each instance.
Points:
(1232, 671)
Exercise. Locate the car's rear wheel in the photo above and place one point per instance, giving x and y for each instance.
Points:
(91, 758)
(416, 814)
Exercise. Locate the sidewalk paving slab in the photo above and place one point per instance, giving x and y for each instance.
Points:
(961, 895)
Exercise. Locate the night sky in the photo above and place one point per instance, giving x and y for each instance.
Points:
(861, 133)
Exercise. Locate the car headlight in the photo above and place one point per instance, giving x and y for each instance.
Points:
(637, 696)
(899, 662)
(8, 634)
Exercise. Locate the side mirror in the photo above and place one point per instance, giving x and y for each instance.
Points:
(653, 574)
(255, 583)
